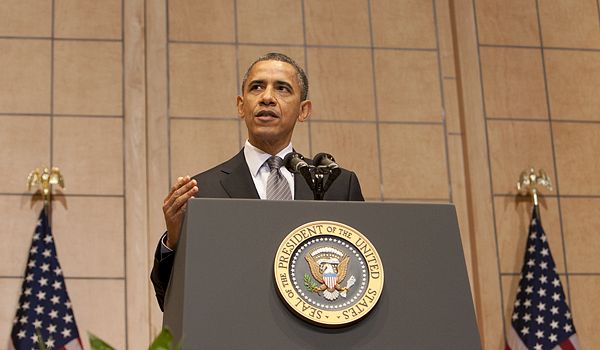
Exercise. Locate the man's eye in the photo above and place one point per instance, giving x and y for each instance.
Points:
(254, 87)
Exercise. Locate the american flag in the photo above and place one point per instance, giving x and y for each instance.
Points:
(541, 318)
(44, 306)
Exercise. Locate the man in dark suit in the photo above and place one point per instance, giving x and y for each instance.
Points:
(274, 98)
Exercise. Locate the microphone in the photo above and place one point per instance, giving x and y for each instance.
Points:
(326, 165)
(294, 162)
(326, 160)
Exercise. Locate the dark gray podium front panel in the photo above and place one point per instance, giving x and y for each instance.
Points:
(222, 294)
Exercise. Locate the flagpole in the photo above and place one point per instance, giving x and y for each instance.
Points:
(536, 204)
(48, 209)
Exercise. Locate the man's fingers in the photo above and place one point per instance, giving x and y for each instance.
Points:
(175, 186)
(182, 185)
(171, 207)
(177, 202)
(185, 188)
(181, 200)
(181, 191)
(182, 180)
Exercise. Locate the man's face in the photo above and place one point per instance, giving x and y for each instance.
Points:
(270, 105)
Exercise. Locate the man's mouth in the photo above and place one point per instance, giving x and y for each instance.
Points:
(266, 114)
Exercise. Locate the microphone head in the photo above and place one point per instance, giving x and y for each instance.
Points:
(325, 159)
(293, 161)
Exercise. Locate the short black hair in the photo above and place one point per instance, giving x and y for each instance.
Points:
(276, 56)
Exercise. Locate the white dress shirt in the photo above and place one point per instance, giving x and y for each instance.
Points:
(259, 169)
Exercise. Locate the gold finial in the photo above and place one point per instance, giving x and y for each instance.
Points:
(45, 179)
(531, 183)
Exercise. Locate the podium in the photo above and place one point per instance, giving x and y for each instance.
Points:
(222, 293)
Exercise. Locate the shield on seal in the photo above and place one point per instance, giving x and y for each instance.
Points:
(330, 279)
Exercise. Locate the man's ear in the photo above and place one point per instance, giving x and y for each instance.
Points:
(240, 106)
(305, 110)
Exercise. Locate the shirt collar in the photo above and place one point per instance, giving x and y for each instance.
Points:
(256, 157)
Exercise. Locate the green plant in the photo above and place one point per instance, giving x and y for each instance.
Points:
(98, 344)
(40, 340)
(164, 341)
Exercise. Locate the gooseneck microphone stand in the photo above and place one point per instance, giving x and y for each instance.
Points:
(319, 176)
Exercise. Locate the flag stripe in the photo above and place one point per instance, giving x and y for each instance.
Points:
(514, 342)
(567, 345)
(74, 344)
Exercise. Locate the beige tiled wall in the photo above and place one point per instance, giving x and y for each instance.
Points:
(364, 70)
(539, 72)
(61, 103)
(440, 101)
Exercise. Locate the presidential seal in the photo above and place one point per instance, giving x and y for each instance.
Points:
(328, 273)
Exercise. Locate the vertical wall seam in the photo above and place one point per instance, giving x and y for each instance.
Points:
(237, 67)
(51, 149)
(598, 7)
(124, 147)
(168, 128)
(550, 126)
(376, 104)
(146, 161)
(305, 47)
(442, 99)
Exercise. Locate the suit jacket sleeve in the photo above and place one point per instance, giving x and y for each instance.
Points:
(161, 273)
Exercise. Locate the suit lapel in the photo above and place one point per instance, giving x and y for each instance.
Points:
(238, 181)
(301, 189)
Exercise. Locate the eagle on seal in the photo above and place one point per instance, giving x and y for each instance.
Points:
(330, 275)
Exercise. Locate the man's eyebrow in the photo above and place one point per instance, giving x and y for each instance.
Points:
(253, 82)
(277, 82)
(284, 83)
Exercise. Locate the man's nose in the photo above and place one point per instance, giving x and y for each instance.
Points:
(267, 98)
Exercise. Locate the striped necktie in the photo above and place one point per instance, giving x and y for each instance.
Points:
(277, 186)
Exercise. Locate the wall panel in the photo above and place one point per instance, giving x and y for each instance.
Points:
(341, 82)
(25, 69)
(88, 78)
(513, 83)
(573, 77)
(584, 290)
(408, 85)
(26, 18)
(337, 22)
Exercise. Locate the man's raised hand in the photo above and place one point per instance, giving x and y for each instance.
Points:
(174, 207)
